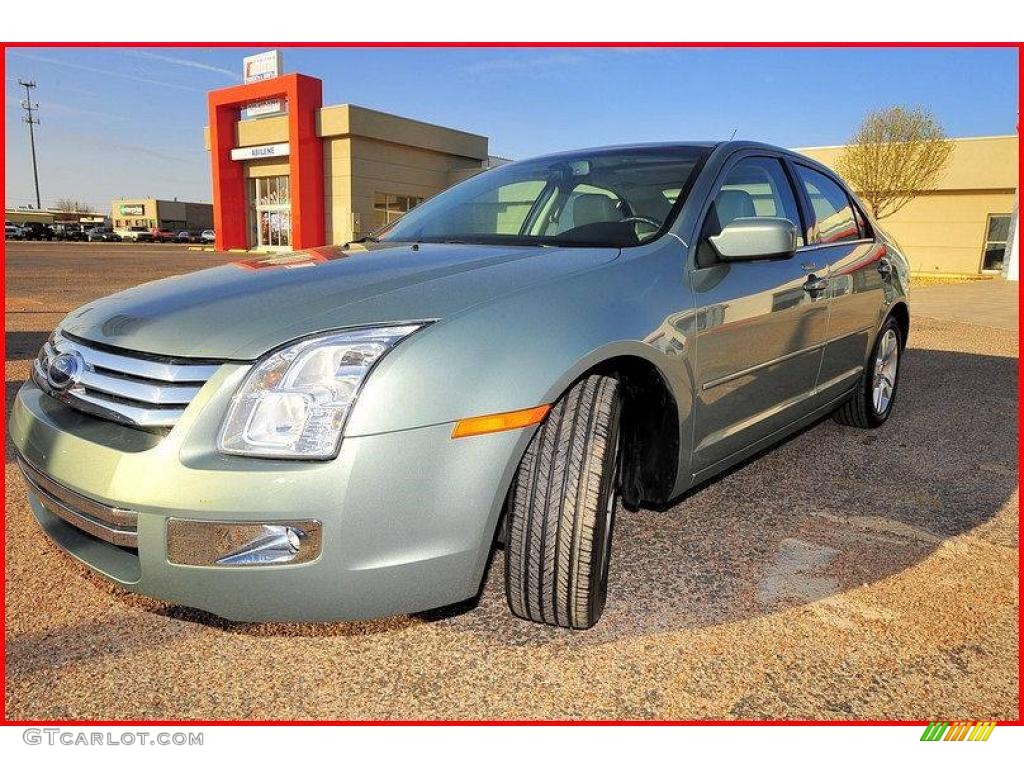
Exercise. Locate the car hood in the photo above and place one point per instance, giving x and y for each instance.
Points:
(241, 310)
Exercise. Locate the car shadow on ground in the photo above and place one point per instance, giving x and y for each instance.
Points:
(24, 345)
(829, 510)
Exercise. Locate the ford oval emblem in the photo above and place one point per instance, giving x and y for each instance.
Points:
(64, 370)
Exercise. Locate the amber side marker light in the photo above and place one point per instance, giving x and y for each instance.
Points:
(499, 422)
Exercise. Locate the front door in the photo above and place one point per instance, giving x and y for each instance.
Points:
(760, 329)
(272, 213)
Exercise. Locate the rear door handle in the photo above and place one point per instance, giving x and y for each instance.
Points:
(814, 284)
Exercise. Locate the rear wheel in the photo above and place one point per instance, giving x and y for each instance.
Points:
(875, 397)
(562, 509)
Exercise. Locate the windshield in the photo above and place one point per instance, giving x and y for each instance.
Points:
(614, 197)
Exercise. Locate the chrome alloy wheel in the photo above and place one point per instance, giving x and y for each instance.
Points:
(887, 360)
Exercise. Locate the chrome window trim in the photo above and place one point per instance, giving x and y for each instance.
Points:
(819, 246)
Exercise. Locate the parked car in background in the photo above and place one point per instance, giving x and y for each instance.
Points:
(12, 231)
(64, 231)
(349, 439)
(102, 235)
(186, 237)
(162, 234)
(208, 236)
(34, 230)
(137, 235)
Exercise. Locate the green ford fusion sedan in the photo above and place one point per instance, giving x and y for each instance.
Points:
(346, 432)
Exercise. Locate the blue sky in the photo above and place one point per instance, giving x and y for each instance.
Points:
(128, 122)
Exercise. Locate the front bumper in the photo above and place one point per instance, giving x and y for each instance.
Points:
(408, 517)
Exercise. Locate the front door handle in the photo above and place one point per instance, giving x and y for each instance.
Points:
(884, 267)
(815, 284)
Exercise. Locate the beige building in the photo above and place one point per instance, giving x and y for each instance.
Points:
(151, 213)
(964, 224)
(376, 166)
(53, 216)
(304, 174)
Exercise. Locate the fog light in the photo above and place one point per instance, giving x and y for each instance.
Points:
(275, 544)
(199, 542)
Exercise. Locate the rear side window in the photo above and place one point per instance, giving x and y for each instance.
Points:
(862, 222)
(834, 217)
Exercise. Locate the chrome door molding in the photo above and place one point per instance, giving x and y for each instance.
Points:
(760, 366)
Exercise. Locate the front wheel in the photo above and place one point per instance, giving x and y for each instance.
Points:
(562, 509)
(875, 397)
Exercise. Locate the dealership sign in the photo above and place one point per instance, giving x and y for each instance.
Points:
(262, 108)
(133, 210)
(264, 150)
(262, 66)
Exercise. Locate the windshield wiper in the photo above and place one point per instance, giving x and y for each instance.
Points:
(363, 239)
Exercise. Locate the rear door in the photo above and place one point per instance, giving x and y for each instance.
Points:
(760, 331)
(842, 243)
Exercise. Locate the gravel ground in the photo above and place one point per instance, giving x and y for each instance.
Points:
(842, 575)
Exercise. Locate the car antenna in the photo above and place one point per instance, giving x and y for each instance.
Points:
(733, 134)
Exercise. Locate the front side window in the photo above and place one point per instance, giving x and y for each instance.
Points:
(616, 198)
(756, 187)
(833, 213)
(996, 237)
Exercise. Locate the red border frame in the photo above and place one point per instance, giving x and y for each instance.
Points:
(293, 131)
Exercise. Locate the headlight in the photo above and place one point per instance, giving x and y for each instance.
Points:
(294, 402)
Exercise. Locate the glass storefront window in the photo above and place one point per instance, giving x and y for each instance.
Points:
(388, 208)
(270, 212)
(995, 241)
(272, 190)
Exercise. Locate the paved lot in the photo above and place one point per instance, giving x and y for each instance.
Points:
(991, 303)
(843, 575)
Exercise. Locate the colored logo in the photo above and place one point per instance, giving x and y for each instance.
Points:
(963, 730)
(63, 371)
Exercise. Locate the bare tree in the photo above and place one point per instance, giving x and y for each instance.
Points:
(896, 154)
(67, 205)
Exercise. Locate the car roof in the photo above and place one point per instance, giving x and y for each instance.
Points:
(728, 147)
(718, 147)
(626, 147)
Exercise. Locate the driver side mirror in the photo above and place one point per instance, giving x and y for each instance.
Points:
(750, 239)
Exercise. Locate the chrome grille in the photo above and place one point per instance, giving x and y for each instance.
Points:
(117, 526)
(131, 389)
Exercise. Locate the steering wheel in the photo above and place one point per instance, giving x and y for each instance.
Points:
(642, 220)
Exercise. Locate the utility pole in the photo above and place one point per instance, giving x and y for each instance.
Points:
(32, 121)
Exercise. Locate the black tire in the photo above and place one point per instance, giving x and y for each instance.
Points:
(562, 507)
(860, 410)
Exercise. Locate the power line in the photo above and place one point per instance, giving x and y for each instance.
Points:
(32, 121)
